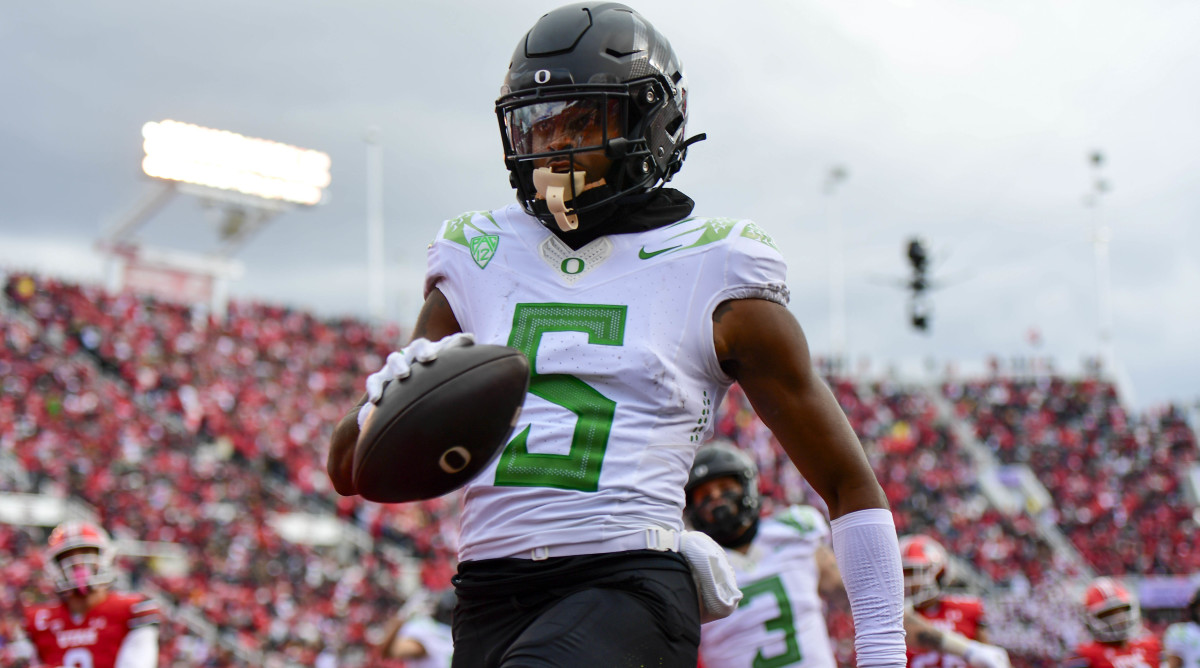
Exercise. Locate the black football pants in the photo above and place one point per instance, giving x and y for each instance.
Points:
(636, 609)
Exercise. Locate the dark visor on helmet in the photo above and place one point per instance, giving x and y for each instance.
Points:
(585, 123)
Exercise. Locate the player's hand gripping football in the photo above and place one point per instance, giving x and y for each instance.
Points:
(399, 366)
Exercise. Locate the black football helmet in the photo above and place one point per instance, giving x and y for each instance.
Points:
(735, 517)
(603, 62)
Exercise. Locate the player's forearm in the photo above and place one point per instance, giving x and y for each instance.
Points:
(869, 557)
(978, 654)
(818, 438)
(389, 637)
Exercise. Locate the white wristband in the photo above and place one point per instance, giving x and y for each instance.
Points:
(868, 555)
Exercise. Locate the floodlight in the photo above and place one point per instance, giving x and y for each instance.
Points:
(225, 160)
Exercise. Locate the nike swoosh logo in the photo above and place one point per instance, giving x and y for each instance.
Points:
(646, 256)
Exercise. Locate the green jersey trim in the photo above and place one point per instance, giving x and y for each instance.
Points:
(456, 229)
(711, 230)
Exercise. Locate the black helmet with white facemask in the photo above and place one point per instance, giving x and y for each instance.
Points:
(600, 66)
(732, 518)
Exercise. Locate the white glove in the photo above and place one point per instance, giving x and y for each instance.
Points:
(399, 365)
(715, 580)
(979, 655)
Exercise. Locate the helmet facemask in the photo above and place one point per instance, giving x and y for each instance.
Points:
(920, 583)
(1110, 612)
(595, 57)
(731, 515)
(80, 558)
(1114, 624)
(573, 152)
(925, 562)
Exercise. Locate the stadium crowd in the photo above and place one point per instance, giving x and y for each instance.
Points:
(181, 427)
(1116, 478)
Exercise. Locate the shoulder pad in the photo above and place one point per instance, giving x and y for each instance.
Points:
(804, 520)
(470, 224)
(143, 610)
(685, 235)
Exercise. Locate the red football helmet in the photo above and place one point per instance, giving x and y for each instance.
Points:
(80, 557)
(924, 561)
(1110, 610)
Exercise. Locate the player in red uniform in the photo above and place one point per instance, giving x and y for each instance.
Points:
(90, 626)
(944, 631)
(1115, 622)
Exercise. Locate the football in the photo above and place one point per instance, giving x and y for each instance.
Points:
(435, 430)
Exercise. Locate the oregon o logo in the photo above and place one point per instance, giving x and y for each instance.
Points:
(541, 76)
(571, 265)
(454, 459)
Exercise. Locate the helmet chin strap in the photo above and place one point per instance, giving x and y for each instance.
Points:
(551, 186)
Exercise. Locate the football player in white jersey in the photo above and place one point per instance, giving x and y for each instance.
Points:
(782, 564)
(785, 560)
(1181, 642)
(636, 317)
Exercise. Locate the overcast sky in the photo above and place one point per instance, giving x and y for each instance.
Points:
(967, 123)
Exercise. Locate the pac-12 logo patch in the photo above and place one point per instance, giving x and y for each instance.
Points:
(483, 248)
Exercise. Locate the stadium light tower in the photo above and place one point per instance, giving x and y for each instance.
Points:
(243, 180)
(920, 310)
(837, 270)
(376, 293)
(1100, 238)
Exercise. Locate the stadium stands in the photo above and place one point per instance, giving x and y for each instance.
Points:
(180, 427)
(1116, 478)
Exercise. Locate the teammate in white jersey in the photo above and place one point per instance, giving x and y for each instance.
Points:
(786, 562)
(1181, 642)
(636, 318)
(782, 564)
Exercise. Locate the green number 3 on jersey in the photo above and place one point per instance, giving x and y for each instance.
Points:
(785, 622)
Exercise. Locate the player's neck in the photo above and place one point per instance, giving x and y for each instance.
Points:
(80, 605)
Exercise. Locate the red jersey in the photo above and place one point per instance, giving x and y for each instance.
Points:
(1142, 652)
(89, 641)
(962, 614)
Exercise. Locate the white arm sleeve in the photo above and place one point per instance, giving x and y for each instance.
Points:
(139, 649)
(868, 555)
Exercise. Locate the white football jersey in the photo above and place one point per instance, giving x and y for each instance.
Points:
(779, 621)
(624, 375)
(1183, 640)
(435, 637)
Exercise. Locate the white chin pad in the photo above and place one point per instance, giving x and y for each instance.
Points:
(553, 187)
